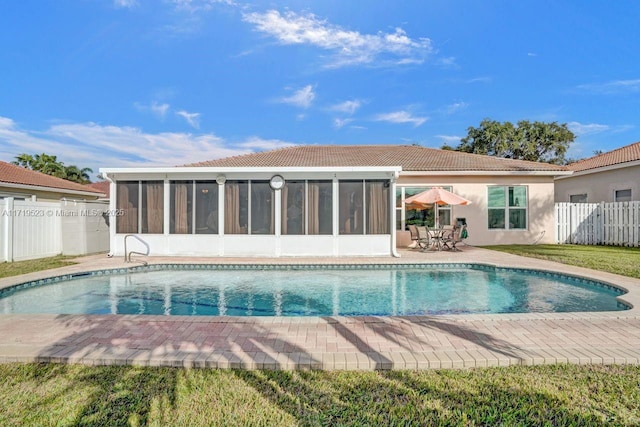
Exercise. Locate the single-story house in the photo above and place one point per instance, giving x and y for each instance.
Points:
(25, 184)
(613, 176)
(319, 200)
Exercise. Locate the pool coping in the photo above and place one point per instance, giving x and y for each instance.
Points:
(365, 342)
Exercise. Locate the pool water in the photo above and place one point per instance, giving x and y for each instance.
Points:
(317, 292)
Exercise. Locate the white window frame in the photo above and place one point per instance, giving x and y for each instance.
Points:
(578, 195)
(507, 208)
(615, 195)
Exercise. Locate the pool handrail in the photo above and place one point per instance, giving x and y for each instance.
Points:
(127, 256)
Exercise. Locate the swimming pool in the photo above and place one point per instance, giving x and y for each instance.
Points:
(310, 290)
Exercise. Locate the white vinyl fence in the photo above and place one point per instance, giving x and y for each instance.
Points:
(30, 230)
(615, 223)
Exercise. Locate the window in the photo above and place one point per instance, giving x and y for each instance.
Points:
(350, 195)
(578, 198)
(152, 207)
(206, 207)
(377, 202)
(262, 208)
(181, 202)
(623, 195)
(364, 202)
(127, 203)
(184, 212)
(293, 207)
(320, 207)
(236, 207)
(142, 207)
(507, 207)
(248, 207)
(419, 216)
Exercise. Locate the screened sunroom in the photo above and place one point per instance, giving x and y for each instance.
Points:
(259, 212)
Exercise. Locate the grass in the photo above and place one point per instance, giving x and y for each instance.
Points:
(23, 267)
(613, 259)
(556, 395)
(50, 394)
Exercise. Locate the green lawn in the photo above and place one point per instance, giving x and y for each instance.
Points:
(613, 259)
(558, 395)
(22, 267)
(51, 394)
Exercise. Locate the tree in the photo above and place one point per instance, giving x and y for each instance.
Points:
(73, 173)
(537, 141)
(50, 165)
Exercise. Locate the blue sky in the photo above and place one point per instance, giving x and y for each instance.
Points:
(114, 83)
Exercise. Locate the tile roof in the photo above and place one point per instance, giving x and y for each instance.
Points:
(102, 186)
(409, 157)
(13, 174)
(628, 153)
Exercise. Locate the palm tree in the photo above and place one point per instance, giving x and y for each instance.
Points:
(25, 160)
(50, 165)
(75, 174)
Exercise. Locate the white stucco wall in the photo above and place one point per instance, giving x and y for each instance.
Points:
(599, 186)
(540, 221)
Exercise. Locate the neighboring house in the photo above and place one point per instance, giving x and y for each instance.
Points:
(101, 186)
(25, 184)
(608, 177)
(326, 201)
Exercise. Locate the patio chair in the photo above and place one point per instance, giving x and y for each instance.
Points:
(415, 239)
(424, 237)
(454, 237)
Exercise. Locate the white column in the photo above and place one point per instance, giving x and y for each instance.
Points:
(167, 207)
(221, 190)
(336, 217)
(392, 206)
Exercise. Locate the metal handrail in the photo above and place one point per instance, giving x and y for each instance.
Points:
(127, 256)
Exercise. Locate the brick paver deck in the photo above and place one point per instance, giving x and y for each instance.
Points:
(364, 343)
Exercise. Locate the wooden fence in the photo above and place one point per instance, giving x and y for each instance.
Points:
(615, 224)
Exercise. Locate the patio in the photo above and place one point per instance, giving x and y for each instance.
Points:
(363, 343)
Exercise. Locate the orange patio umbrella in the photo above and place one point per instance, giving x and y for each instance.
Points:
(437, 195)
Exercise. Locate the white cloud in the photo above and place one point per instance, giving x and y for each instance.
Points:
(348, 47)
(455, 107)
(347, 107)
(483, 79)
(97, 146)
(449, 62)
(451, 140)
(340, 123)
(156, 108)
(193, 6)
(301, 98)
(159, 109)
(125, 3)
(259, 144)
(613, 87)
(586, 129)
(93, 145)
(192, 118)
(401, 117)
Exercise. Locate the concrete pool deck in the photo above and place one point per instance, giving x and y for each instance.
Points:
(362, 343)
